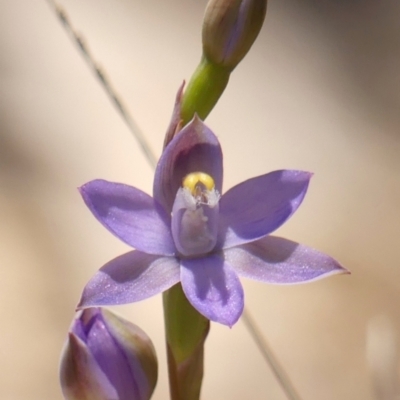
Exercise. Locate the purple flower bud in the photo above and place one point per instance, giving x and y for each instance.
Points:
(230, 28)
(107, 358)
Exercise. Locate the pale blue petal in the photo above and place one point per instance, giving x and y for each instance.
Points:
(258, 206)
(281, 261)
(132, 277)
(213, 288)
(131, 215)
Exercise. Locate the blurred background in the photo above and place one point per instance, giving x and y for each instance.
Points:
(319, 91)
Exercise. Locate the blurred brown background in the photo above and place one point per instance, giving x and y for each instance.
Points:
(319, 91)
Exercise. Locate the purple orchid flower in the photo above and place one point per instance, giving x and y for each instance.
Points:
(188, 233)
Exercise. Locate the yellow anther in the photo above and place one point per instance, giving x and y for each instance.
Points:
(196, 181)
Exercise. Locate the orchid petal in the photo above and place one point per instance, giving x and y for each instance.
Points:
(281, 261)
(258, 206)
(213, 288)
(131, 215)
(194, 149)
(131, 277)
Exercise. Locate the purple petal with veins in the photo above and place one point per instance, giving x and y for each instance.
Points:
(134, 276)
(259, 206)
(131, 215)
(213, 288)
(281, 261)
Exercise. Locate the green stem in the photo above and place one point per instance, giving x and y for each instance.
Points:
(186, 329)
(186, 332)
(204, 90)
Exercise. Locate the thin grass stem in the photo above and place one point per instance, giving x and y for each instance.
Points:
(104, 81)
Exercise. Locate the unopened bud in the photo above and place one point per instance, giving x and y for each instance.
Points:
(230, 28)
(107, 358)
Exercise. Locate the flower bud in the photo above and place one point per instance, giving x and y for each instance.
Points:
(107, 358)
(230, 28)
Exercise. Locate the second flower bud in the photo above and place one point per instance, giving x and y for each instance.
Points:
(230, 28)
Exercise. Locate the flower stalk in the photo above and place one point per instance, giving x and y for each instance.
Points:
(186, 328)
(186, 331)
(204, 90)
